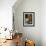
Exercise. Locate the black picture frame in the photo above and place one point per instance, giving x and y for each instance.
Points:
(29, 19)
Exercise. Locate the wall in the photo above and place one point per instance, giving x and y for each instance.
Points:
(32, 33)
(43, 22)
(6, 13)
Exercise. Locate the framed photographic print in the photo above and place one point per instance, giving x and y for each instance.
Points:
(28, 19)
(13, 22)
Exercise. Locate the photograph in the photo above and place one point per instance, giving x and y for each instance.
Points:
(28, 18)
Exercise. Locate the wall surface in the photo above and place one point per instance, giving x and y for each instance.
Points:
(6, 13)
(32, 33)
(43, 22)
